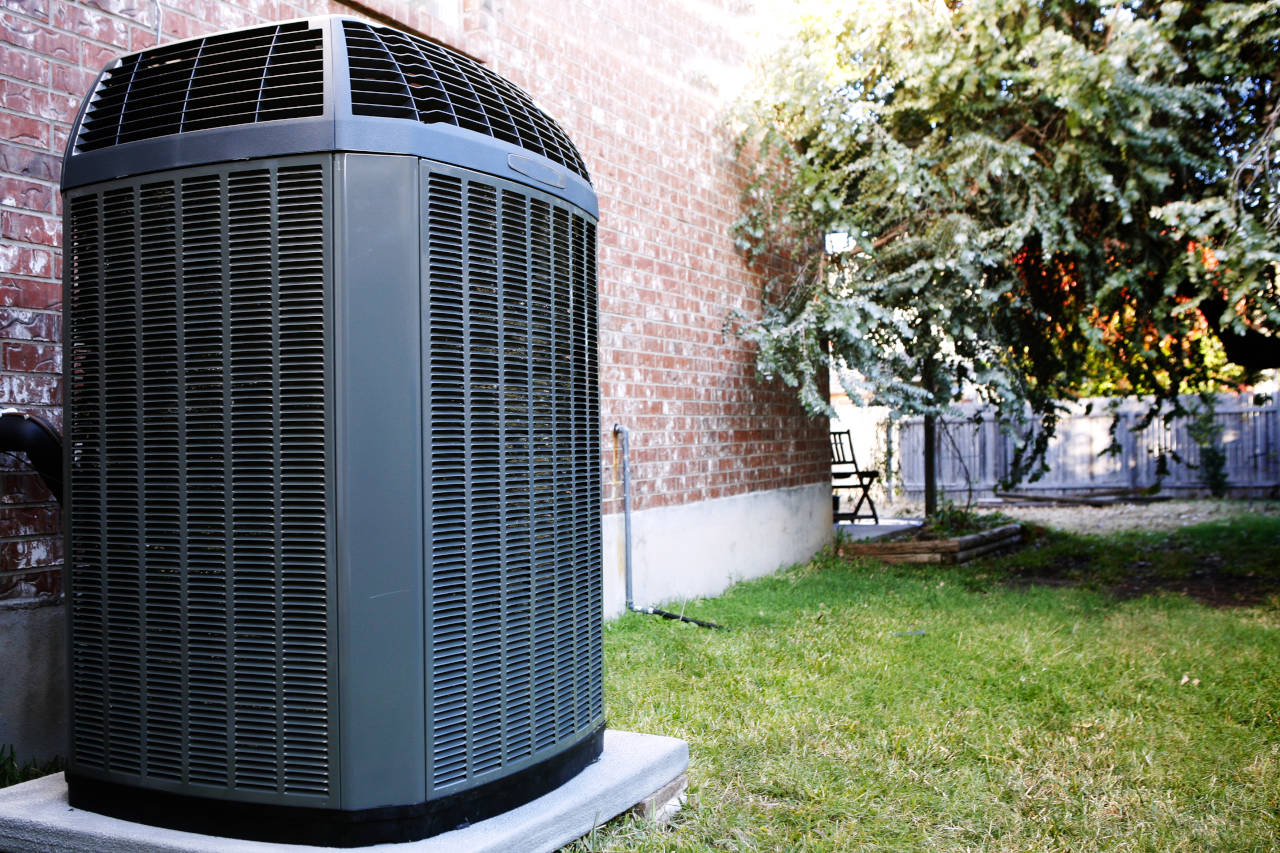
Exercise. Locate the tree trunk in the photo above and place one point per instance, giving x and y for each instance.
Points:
(929, 378)
(930, 466)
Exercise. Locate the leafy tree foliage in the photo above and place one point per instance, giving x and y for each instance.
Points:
(1030, 194)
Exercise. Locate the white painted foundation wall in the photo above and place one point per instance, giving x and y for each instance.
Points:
(33, 688)
(701, 549)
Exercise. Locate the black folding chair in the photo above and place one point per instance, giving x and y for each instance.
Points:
(847, 476)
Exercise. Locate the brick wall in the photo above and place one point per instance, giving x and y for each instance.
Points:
(633, 83)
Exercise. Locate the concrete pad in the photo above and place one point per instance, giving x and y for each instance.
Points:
(851, 531)
(34, 816)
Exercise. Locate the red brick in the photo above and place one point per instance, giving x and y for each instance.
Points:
(30, 293)
(29, 521)
(90, 23)
(24, 65)
(31, 358)
(137, 10)
(98, 57)
(30, 585)
(25, 260)
(669, 273)
(40, 38)
(223, 16)
(23, 98)
(30, 553)
(34, 389)
(15, 192)
(21, 325)
(24, 130)
(21, 487)
(142, 38)
(35, 9)
(72, 79)
(28, 228)
(178, 27)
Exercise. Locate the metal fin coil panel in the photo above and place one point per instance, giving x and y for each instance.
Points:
(397, 75)
(199, 522)
(511, 371)
(243, 77)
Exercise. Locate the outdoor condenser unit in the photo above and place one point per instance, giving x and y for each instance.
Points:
(333, 439)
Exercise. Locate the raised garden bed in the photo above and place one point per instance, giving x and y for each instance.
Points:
(960, 549)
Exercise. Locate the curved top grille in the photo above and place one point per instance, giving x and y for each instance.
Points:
(241, 77)
(396, 75)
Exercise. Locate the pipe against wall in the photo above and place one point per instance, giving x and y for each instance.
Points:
(622, 433)
(24, 433)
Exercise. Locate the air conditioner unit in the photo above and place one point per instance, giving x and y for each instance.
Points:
(333, 439)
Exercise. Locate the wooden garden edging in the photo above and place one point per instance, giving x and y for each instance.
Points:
(959, 550)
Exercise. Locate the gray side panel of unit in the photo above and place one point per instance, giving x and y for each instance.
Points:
(194, 633)
(512, 516)
(379, 457)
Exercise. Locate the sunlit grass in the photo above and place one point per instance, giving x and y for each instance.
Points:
(1023, 718)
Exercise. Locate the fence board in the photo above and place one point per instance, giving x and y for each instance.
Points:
(979, 455)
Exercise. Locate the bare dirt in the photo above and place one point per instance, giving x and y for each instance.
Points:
(1209, 581)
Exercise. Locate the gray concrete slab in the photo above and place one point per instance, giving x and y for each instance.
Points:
(851, 531)
(35, 816)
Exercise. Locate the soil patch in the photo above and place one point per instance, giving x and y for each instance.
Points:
(1211, 582)
(1207, 586)
(1063, 570)
(1209, 579)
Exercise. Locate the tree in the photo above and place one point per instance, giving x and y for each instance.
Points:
(1028, 193)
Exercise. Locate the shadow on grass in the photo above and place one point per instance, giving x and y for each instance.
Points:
(1229, 563)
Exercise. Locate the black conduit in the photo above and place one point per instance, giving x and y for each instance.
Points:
(23, 433)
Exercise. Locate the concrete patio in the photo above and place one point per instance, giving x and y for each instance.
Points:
(850, 530)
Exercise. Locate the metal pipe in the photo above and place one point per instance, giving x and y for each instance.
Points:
(24, 433)
(624, 439)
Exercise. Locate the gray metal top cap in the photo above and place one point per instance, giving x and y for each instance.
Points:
(313, 85)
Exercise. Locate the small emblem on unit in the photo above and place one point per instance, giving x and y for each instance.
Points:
(538, 171)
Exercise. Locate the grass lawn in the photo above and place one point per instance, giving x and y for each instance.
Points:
(1074, 696)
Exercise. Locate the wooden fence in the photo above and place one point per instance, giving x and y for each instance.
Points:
(977, 456)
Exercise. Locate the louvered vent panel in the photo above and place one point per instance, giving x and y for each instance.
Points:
(514, 541)
(85, 398)
(395, 75)
(242, 77)
(199, 520)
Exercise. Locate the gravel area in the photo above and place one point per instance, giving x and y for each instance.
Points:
(1161, 515)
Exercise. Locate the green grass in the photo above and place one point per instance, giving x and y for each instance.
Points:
(1025, 717)
(11, 772)
(952, 519)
